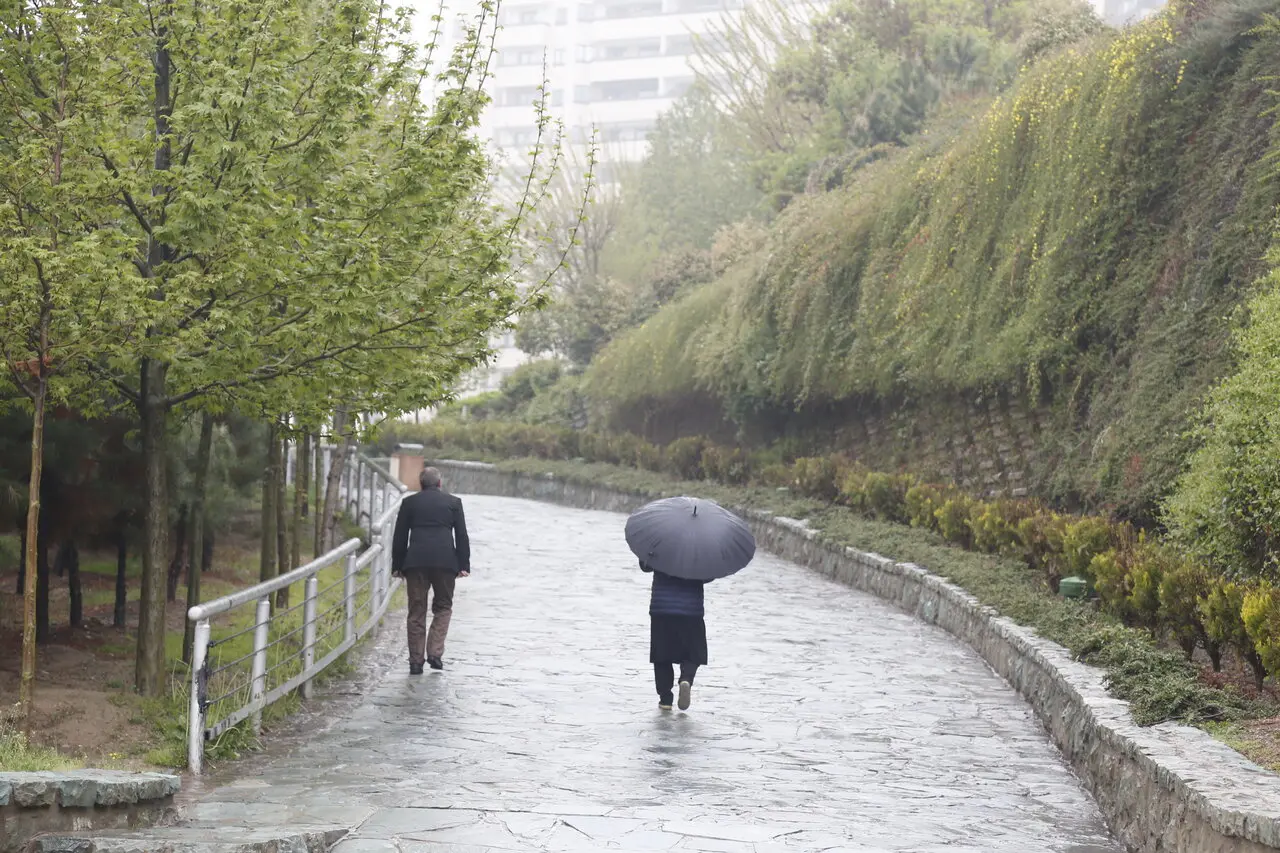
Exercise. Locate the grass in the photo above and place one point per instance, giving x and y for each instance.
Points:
(1159, 683)
(18, 754)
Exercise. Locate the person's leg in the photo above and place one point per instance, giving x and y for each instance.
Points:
(687, 672)
(442, 586)
(416, 624)
(664, 678)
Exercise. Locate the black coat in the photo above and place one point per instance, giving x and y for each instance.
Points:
(431, 533)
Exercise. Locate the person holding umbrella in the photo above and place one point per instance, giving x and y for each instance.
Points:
(686, 543)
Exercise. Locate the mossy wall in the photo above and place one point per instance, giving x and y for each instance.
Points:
(1082, 245)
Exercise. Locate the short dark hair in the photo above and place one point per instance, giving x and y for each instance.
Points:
(429, 477)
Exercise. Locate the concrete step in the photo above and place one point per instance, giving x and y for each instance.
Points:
(192, 839)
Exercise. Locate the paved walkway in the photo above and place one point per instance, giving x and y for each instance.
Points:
(826, 721)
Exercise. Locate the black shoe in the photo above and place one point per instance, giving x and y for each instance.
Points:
(665, 701)
(435, 663)
(415, 669)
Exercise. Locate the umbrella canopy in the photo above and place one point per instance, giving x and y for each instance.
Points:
(690, 538)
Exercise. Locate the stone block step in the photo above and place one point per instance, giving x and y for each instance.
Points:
(192, 839)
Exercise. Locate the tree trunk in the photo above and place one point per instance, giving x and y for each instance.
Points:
(42, 580)
(122, 564)
(282, 516)
(22, 561)
(195, 563)
(149, 675)
(206, 557)
(301, 500)
(179, 555)
(267, 557)
(30, 562)
(332, 505)
(71, 561)
(319, 505)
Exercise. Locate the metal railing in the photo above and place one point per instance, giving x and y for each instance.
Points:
(263, 653)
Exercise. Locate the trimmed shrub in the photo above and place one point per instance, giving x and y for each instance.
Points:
(726, 465)
(1086, 538)
(1041, 539)
(684, 458)
(1224, 623)
(886, 495)
(995, 525)
(819, 476)
(953, 519)
(1183, 587)
(922, 502)
(1260, 612)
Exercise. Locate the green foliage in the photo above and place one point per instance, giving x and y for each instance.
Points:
(18, 754)
(1261, 614)
(1184, 586)
(684, 458)
(1226, 503)
(1221, 613)
(1058, 245)
(1083, 540)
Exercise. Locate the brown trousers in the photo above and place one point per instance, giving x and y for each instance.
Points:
(423, 643)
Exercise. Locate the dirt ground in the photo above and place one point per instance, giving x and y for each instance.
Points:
(85, 704)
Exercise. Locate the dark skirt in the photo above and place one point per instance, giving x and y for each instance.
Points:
(677, 639)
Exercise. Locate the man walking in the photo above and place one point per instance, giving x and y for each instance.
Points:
(431, 551)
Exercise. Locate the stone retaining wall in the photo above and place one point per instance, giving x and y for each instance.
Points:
(34, 804)
(1162, 789)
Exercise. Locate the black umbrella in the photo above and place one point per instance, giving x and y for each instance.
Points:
(690, 538)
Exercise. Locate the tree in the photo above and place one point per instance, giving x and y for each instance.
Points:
(66, 297)
(312, 229)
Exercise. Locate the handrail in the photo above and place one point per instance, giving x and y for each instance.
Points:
(244, 596)
(286, 641)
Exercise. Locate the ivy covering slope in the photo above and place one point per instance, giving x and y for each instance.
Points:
(1086, 240)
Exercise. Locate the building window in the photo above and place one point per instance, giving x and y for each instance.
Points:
(557, 56)
(586, 12)
(510, 137)
(628, 90)
(674, 87)
(518, 96)
(557, 97)
(562, 16)
(632, 9)
(527, 55)
(626, 131)
(628, 49)
(514, 16)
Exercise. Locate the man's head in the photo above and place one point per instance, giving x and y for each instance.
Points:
(429, 478)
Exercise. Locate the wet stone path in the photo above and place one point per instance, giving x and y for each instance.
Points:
(826, 721)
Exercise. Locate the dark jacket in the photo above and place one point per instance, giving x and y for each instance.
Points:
(431, 533)
(674, 596)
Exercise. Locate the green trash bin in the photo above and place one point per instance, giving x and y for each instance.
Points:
(1073, 587)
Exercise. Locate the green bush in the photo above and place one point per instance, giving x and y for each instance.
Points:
(922, 502)
(1041, 542)
(1222, 613)
(1260, 612)
(726, 465)
(1184, 586)
(819, 476)
(684, 458)
(995, 525)
(886, 495)
(953, 519)
(1085, 538)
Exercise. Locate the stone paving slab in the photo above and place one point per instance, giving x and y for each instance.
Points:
(826, 720)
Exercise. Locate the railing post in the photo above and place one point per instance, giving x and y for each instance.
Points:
(195, 716)
(360, 475)
(349, 593)
(260, 634)
(309, 632)
(326, 465)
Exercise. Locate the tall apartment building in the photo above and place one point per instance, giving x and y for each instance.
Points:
(612, 64)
